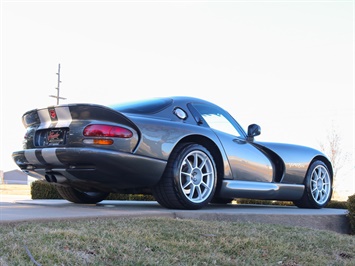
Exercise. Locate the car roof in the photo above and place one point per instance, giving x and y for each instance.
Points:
(155, 105)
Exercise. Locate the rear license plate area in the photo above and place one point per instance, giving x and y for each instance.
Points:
(51, 137)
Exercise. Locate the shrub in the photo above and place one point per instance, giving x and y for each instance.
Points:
(351, 213)
(41, 189)
(263, 202)
(337, 204)
(139, 197)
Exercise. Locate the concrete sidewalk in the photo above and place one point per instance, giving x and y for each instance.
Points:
(18, 209)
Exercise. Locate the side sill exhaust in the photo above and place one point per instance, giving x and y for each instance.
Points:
(260, 190)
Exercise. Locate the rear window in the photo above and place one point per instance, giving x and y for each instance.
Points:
(150, 106)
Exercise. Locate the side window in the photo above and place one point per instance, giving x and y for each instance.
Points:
(218, 119)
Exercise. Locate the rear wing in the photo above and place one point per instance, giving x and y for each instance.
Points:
(64, 115)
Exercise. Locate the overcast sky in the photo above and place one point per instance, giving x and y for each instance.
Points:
(286, 65)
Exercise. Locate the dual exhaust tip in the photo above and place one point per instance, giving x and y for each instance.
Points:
(52, 178)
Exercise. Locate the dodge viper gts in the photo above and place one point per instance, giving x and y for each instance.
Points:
(185, 151)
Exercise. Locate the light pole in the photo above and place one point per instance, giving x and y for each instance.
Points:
(58, 86)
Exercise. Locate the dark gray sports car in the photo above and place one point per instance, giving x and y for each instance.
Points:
(187, 152)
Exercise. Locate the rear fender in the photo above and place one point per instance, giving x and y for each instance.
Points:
(74, 118)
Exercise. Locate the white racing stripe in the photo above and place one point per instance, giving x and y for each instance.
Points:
(44, 118)
(31, 157)
(50, 156)
(64, 116)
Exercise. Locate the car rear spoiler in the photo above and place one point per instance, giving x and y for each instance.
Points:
(64, 115)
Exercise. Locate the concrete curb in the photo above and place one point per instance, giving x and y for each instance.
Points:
(336, 223)
(43, 210)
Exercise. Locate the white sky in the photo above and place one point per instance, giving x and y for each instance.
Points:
(286, 65)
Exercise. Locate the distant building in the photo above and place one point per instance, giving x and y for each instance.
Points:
(14, 177)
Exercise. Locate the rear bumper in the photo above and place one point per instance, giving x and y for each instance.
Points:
(91, 168)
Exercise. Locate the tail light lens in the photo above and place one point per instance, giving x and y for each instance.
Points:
(98, 141)
(107, 131)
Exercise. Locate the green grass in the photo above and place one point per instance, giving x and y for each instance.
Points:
(166, 241)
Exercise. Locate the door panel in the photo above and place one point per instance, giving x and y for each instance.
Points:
(246, 161)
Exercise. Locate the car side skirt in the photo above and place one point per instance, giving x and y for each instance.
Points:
(260, 190)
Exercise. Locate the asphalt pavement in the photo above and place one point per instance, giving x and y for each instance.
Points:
(21, 208)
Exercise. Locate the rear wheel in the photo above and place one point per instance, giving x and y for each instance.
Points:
(189, 181)
(77, 196)
(318, 187)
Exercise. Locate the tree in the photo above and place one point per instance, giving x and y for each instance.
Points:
(332, 148)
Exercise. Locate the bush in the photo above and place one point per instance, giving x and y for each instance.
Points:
(351, 213)
(263, 202)
(139, 197)
(41, 189)
(337, 204)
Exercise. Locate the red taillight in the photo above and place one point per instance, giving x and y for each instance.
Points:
(107, 131)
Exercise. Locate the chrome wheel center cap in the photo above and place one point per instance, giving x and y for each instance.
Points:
(319, 184)
(196, 176)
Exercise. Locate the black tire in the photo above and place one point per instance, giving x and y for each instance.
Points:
(318, 187)
(189, 180)
(77, 196)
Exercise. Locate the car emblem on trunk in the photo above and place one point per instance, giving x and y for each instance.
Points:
(52, 113)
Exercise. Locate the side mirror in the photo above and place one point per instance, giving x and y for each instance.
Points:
(253, 131)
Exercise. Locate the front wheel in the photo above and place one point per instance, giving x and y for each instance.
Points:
(318, 187)
(77, 196)
(189, 181)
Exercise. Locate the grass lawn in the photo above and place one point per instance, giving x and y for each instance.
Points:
(6, 189)
(166, 241)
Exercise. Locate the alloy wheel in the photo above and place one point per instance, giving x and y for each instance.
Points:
(197, 176)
